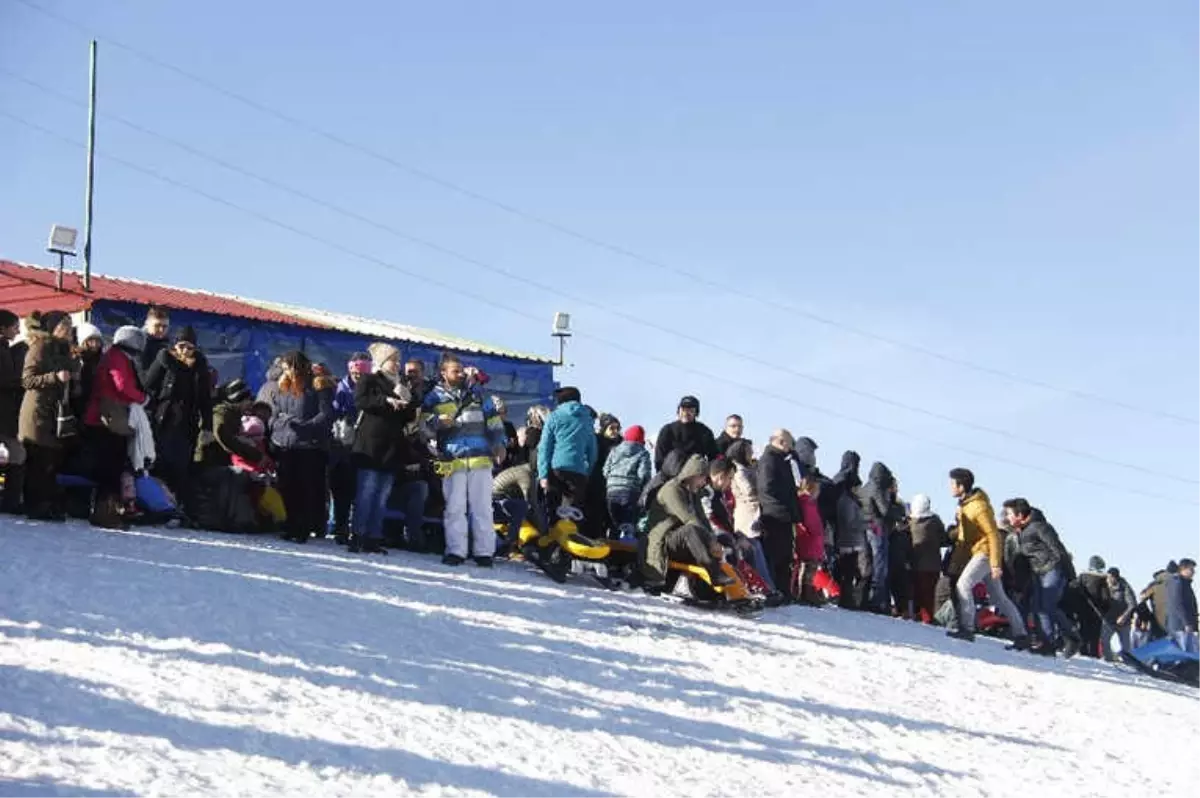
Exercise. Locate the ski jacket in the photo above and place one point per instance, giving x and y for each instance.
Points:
(689, 439)
(627, 469)
(568, 441)
(977, 530)
(1041, 545)
(777, 487)
(476, 432)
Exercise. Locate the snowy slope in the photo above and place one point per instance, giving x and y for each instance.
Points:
(183, 663)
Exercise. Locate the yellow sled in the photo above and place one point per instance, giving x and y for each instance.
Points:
(564, 550)
(701, 586)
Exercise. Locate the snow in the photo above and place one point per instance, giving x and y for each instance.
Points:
(155, 662)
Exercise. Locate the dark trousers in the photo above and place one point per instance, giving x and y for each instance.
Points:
(41, 478)
(692, 544)
(567, 489)
(924, 591)
(854, 578)
(302, 485)
(779, 544)
(110, 459)
(174, 447)
(343, 483)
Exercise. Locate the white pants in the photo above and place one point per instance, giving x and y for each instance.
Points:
(979, 569)
(469, 491)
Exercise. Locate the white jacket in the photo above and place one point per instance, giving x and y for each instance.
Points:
(141, 444)
(746, 509)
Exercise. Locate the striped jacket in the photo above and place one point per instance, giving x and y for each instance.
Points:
(477, 431)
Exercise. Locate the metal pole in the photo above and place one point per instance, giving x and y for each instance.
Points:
(58, 280)
(91, 172)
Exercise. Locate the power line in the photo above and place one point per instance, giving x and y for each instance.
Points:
(616, 249)
(631, 318)
(627, 350)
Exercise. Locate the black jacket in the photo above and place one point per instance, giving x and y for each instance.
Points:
(689, 439)
(1041, 544)
(777, 487)
(146, 360)
(928, 537)
(11, 390)
(381, 442)
(876, 496)
(180, 395)
(724, 441)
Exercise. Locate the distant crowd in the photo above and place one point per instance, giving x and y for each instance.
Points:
(398, 453)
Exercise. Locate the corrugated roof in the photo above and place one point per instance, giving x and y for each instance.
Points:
(391, 331)
(25, 288)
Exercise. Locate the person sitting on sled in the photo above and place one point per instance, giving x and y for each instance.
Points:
(679, 529)
(566, 454)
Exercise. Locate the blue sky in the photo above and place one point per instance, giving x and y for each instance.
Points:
(1010, 185)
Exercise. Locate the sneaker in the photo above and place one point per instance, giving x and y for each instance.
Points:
(483, 562)
(1020, 644)
(962, 634)
(453, 559)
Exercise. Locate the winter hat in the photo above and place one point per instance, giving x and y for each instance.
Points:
(131, 338)
(1096, 563)
(381, 353)
(689, 403)
(86, 332)
(921, 507)
(253, 427)
(636, 434)
(236, 391)
(186, 335)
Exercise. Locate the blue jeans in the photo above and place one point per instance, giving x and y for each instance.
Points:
(411, 496)
(879, 598)
(759, 555)
(623, 510)
(370, 502)
(1048, 591)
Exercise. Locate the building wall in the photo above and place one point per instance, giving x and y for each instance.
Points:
(238, 348)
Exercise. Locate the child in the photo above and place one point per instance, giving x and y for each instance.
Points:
(266, 498)
(810, 538)
(626, 473)
(254, 431)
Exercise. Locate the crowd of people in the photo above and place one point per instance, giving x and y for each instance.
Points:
(137, 429)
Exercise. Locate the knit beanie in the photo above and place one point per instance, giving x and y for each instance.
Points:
(359, 363)
(131, 338)
(381, 353)
(1096, 563)
(86, 332)
(236, 391)
(186, 335)
(253, 427)
(636, 434)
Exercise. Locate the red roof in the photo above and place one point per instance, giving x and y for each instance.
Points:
(25, 288)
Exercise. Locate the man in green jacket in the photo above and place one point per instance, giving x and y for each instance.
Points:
(679, 527)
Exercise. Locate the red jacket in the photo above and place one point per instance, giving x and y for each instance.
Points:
(115, 379)
(810, 532)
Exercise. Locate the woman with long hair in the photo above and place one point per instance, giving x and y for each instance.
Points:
(301, 428)
(46, 378)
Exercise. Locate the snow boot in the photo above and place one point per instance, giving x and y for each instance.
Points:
(453, 559)
(1019, 644)
(1071, 646)
(961, 634)
(483, 562)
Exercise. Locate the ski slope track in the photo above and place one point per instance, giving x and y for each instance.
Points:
(171, 663)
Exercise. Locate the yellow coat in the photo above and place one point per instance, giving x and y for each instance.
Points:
(977, 530)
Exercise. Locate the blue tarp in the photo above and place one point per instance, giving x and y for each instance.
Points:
(243, 349)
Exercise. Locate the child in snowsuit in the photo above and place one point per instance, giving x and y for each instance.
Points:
(626, 474)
